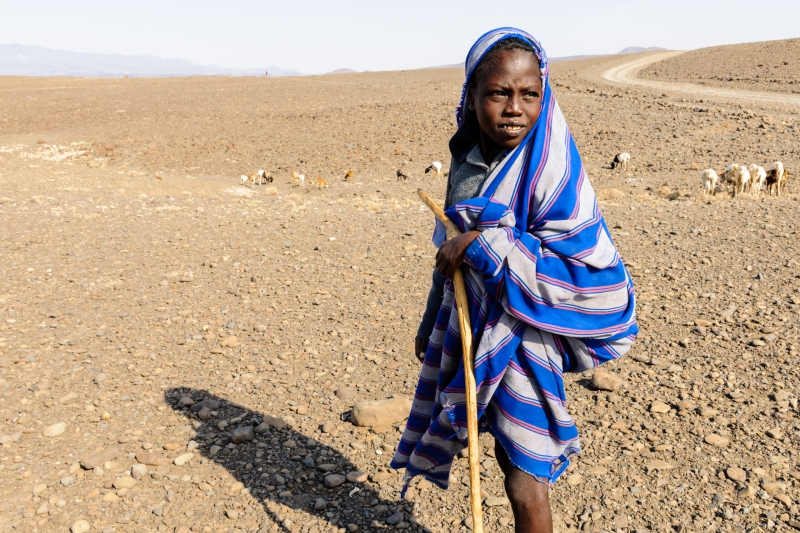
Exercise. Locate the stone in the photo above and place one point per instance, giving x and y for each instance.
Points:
(333, 480)
(381, 412)
(81, 526)
(320, 504)
(138, 471)
(782, 396)
(604, 381)
(735, 473)
(574, 479)
(152, 459)
(289, 444)
(345, 393)
(211, 404)
(773, 488)
(125, 482)
(69, 398)
(658, 464)
(395, 519)
(96, 459)
(659, 407)
(204, 413)
(38, 489)
(717, 440)
(495, 501)
(110, 497)
(775, 433)
(686, 405)
(233, 514)
(56, 430)
(183, 459)
(377, 477)
(329, 426)
(702, 323)
(242, 434)
(67, 481)
(277, 423)
(185, 401)
(356, 477)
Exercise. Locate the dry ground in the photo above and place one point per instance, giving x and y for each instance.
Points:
(764, 66)
(138, 277)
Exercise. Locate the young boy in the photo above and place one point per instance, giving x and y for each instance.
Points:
(548, 291)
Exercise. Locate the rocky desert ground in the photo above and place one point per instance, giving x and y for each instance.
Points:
(180, 353)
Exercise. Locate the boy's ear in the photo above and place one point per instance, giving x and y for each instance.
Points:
(470, 100)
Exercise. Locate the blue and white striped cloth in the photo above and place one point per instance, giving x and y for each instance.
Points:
(548, 294)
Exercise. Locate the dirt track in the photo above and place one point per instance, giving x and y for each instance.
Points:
(138, 277)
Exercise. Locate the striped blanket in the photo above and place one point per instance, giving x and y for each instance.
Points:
(548, 294)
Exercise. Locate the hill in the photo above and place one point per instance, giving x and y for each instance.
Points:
(769, 65)
(24, 60)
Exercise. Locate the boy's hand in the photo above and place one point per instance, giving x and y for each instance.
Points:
(451, 255)
(420, 347)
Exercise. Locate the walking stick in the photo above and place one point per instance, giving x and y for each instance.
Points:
(469, 370)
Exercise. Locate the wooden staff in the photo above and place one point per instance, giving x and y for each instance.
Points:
(469, 370)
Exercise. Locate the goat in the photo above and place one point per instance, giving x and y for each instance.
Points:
(321, 184)
(298, 178)
(245, 180)
(437, 169)
(348, 176)
(779, 174)
(728, 175)
(758, 176)
(709, 180)
(402, 175)
(741, 180)
(264, 177)
(621, 159)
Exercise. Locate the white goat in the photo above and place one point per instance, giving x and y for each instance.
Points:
(264, 177)
(621, 159)
(709, 180)
(741, 180)
(758, 178)
(298, 178)
(245, 180)
(437, 169)
(728, 174)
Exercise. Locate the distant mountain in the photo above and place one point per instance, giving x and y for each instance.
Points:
(637, 49)
(342, 71)
(24, 60)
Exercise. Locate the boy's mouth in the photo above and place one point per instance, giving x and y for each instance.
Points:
(511, 129)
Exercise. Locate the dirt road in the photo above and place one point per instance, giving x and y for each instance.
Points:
(626, 74)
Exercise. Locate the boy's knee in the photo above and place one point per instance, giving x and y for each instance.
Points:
(524, 491)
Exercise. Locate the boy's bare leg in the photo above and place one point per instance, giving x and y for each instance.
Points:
(530, 499)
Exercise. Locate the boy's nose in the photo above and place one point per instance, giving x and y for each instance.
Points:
(514, 107)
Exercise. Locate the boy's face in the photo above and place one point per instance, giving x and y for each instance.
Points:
(507, 98)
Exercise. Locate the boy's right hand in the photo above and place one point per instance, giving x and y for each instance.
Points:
(420, 347)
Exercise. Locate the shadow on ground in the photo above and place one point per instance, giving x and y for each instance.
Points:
(284, 466)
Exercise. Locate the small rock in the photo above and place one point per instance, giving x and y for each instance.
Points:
(233, 514)
(81, 526)
(574, 479)
(395, 519)
(356, 477)
(38, 489)
(185, 401)
(277, 423)
(605, 381)
(125, 482)
(94, 460)
(659, 407)
(702, 323)
(138, 471)
(328, 426)
(782, 396)
(380, 476)
(242, 434)
(184, 458)
(658, 464)
(289, 444)
(110, 497)
(333, 480)
(381, 412)
(204, 413)
(717, 440)
(69, 398)
(775, 433)
(495, 501)
(320, 504)
(99, 379)
(152, 459)
(56, 430)
(345, 393)
(735, 473)
(67, 481)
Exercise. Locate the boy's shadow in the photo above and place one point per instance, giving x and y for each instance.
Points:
(272, 468)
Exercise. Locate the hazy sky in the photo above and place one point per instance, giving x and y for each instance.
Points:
(316, 36)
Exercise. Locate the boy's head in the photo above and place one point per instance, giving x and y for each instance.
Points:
(506, 91)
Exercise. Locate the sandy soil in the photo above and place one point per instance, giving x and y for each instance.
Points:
(179, 353)
(764, 66)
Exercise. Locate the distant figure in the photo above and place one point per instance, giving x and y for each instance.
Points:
(266, 74)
